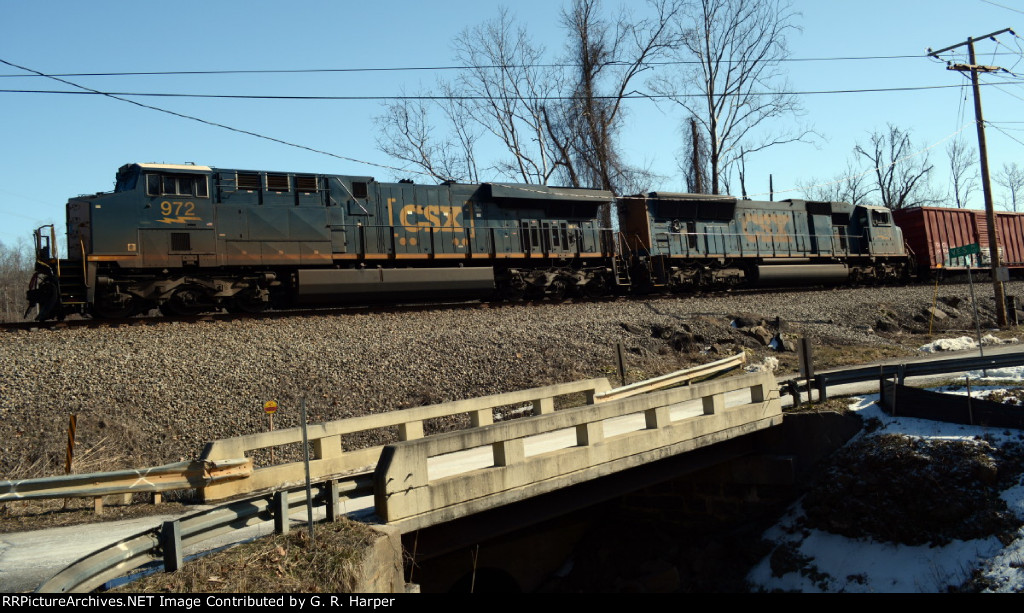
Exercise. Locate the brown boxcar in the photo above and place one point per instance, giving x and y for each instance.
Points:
(930, 232)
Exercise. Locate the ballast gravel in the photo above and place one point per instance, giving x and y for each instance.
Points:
(152, 393)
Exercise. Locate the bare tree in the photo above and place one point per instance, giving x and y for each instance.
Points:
(738, 45)
(607, 55)
(852, 185)
(1012, 178)
(406, 133)
(901, 174)
(15, 271)
(962, 174)
(693, 158)
(555, 124)
(505, 84)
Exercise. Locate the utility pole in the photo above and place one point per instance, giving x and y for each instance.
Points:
(990, 214)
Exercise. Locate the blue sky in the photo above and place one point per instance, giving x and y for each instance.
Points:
(57, 146)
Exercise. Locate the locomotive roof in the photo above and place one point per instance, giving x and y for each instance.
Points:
(187, 167)
(544, 192)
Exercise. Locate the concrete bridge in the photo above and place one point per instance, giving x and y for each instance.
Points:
(422, 480)
(520, 458)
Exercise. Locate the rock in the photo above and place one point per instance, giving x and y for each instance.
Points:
(760, 334)
(886, 323)
(747, 320)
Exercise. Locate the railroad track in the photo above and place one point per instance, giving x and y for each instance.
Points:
(149, 320)
(145, 320)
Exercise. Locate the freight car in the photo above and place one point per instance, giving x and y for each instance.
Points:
(932, 231)
(681, 241)
(188, 239)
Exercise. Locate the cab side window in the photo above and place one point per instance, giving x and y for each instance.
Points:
(177, 185)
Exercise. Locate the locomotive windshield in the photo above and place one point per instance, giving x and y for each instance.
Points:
(127, 178)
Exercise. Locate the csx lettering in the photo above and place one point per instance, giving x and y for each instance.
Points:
(415, 216)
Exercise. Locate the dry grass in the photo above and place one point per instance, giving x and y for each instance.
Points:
(278, 564)
(25, 515)
(839, 405)
(827, 356)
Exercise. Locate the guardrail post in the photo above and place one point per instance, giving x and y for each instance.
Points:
(280, 510)
(170, 540)
(822, 384)
(326, 447)
(657, 417)
(543, 406)
(410, 430)
(330, 492)
(589, 433)
(483, 417)
(507, 453)
(714, 403)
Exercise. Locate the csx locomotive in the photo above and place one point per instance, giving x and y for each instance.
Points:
(188, 239)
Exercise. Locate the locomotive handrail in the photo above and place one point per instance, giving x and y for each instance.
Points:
(772, 251)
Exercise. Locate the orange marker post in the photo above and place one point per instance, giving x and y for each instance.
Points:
(270, 407)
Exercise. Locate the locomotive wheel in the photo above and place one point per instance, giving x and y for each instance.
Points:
(185, 302)
(557, 290)
(46, 296)
(108, 307)
(247, 304)
(597, 287)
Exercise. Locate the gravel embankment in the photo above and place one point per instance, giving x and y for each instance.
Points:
(150, 394)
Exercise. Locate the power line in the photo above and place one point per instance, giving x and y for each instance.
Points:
(1003, 7)
(631, 96)
(1009, 136)
(210, 123)
(432, 68)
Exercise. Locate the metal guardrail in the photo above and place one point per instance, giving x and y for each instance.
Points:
(821, 381)
(672, 379)
(177, 476)
(167, 542)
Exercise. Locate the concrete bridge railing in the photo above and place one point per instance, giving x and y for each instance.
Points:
(329, 459)
(416, 484)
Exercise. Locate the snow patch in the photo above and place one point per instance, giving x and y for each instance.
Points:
(964, 343)
(770, 364)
